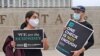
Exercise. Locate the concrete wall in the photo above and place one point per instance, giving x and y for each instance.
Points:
(13, 17)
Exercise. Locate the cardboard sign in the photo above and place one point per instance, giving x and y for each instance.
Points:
(28, 39)
(73, 38)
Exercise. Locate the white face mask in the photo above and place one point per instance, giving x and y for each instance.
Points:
(34, 22)
(76, 16)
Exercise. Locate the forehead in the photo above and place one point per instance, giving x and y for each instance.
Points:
(35, 14)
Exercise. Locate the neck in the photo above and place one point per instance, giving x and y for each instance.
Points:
(82, 19)
(30, 27)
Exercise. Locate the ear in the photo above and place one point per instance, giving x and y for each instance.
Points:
(71, 16)
(27, 19)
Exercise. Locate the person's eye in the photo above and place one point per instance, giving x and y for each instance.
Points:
(34, 16)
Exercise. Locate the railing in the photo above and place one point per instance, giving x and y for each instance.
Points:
(35, 3)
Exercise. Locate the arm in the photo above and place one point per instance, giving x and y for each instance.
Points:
(90, 43)
(45, 44)
(9, 50)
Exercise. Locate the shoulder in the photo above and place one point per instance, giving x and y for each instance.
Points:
(43, 32)
(89, 25)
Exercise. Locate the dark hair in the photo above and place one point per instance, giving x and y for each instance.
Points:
(83, 11)
(28, 15)
(23, 25)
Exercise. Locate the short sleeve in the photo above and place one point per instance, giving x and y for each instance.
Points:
(45, 35)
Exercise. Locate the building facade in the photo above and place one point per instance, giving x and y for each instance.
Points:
(53, 16)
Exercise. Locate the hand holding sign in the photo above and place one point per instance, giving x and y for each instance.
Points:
(13, 44)
(78, 52)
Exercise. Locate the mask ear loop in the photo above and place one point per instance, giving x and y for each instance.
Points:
(71, 16)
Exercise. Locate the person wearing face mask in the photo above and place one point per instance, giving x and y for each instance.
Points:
(32, 22)
(79, 16)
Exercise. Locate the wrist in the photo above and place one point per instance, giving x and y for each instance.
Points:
(82, 50)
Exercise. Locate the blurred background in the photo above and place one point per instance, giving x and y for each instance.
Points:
(53, 16)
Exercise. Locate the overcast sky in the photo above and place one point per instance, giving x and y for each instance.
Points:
(86, 2)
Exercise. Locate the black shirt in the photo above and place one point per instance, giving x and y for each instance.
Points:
(91, 39)
(31, 52)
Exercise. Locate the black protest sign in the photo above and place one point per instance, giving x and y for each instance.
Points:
(73, 38)
(28, 39)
